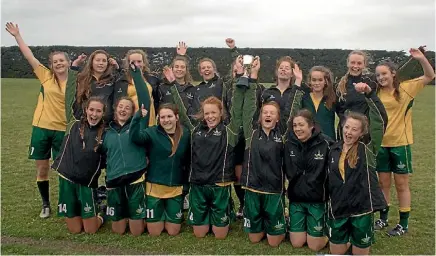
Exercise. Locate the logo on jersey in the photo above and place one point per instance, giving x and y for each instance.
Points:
(212, 86)
(401, 165)
(292, 153)
(271, 97)
(366, 239)
(217, 133)
(168, 93)
(333, 161)
(319, 156)
(139, 210)
(189, 96)
(198, 133)
(87, 208)
(277, 139)
(119, 90)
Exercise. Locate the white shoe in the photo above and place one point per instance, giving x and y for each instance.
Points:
(45, 212)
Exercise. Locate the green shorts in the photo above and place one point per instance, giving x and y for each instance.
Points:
(126, 202)
(307, 217)
(164, 209)
(264, 213)
(209, 205)
(395, 159)
(357, 230)
(75, 200)
(43, 142)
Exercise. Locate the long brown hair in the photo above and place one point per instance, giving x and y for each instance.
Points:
(84, 122)
(145, 67)
(50, 61)
(84, 78)
(269, 103)
(279, 62)
(213, 101)
(179, 131)
(352, 155)
(188, 77)
(396, 83)
(328, 90)
(341, 90)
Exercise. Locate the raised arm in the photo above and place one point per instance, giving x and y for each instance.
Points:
(141, 91)
(429, 73)
(230, 42)
(25, 50)
(138, 134)
(378, 118)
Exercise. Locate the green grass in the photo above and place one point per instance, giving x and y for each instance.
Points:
(23, 232)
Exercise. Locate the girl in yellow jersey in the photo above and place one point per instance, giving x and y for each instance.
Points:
(49, 122)
(395, 153)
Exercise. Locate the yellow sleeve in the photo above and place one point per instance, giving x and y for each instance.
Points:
(43, 73)
(413, 87)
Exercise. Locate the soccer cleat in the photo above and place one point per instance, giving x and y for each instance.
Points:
(397, 231)
(240, 213)
(45, 212)
(380, 224)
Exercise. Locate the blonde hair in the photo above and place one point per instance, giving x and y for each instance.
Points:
(188, 77)
(145, 67)
(341, 89)
(50, 61)
(204, 60)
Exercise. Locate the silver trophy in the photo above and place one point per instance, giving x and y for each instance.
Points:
(246, 62)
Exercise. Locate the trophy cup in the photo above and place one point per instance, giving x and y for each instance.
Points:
(243, 80)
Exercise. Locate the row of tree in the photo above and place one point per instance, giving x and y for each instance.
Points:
(13, 64)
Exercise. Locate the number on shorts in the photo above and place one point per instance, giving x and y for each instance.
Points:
(32, 149)
(110, 211)
(247, 223)
(150, 213)
(62, 208)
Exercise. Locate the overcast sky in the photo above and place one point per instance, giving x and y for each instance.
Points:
(346, 24)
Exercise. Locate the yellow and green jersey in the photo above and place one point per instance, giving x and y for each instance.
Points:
(50, 109)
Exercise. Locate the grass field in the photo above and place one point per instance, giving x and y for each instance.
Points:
(23, 232)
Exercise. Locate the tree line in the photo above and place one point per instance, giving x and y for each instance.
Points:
(13, 64)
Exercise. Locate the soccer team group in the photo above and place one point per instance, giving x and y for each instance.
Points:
(161, 139)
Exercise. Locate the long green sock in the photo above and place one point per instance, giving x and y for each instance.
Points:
(404, 219)
(384, 214)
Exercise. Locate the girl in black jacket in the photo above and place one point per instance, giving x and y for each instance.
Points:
(79, 164)
(305, 162)
(353, 189)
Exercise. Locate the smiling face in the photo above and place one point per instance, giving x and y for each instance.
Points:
(94, 112)
(99, 63)
(179, 69)
(124, 111)
(269, 117)
(301, 128)
(59, 63)
(385, 77)
(207, 70)
(168, 120)
(317, 81)
(352, 131)
(212, 115)
(356, 64)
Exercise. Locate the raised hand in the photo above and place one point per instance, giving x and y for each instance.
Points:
(255, 67)
(417, 53)
(168, 73)
(144, 111)
(298, 74)
(113, 62)
(230, 43)
(12, 29)
(80, 60)
(182, 48)
(362, 88)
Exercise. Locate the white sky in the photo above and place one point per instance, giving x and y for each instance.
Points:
(346, 24)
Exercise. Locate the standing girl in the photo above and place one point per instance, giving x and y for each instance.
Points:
(395, 154)
(49, 122)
